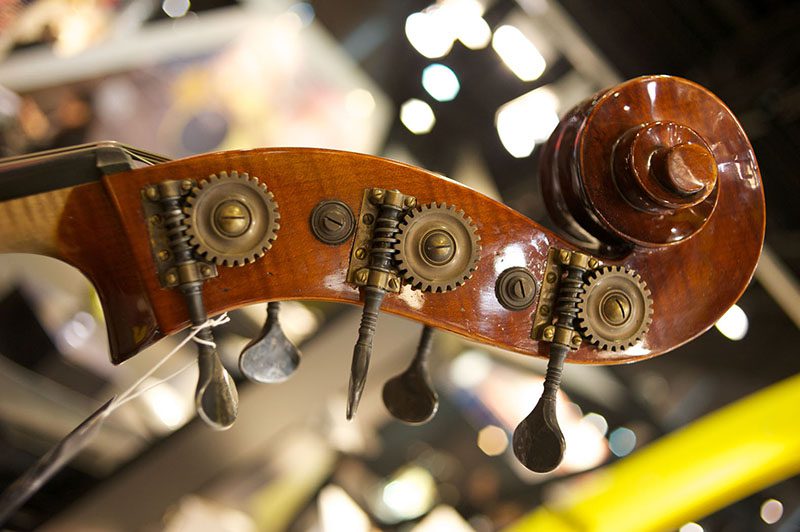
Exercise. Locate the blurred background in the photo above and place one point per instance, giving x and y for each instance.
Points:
(467, 88)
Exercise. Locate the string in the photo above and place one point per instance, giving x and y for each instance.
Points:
(135, 390)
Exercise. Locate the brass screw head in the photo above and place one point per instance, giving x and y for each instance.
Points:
(593, 263)
(438, 247)
(152, 193)
(615, 308)
(205, 270)
(163, 255)
(393, 284)
(576, 340)
(564, 256)
(549, 332)
(545, 310)
(171, 278)
(361, 253)
(155, 219)
(368, 219)
(186, 185)
(361, 276)
(410, 202)
(551, 277)
(232, 218)
(378, 194)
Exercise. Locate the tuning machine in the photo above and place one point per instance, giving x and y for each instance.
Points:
(538, 441)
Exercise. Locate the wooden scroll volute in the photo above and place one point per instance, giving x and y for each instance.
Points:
(644, 164)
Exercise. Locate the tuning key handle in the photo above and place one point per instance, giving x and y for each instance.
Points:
(271, 357)
(410, 396)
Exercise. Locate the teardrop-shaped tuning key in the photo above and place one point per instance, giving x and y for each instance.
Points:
(410, 396)
(538, 440)
(373, 297)
(271, 357)
(216, 398)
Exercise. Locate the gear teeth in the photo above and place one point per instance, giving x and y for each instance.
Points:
(268, 206)
(584, 314)
(406, 265)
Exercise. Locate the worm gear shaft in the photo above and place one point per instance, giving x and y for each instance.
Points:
(615, 310)
(232, 218)
(437, 247)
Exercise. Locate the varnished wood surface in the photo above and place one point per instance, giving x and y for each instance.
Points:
(100, 228)
(79, 226)
(688, 292)
(30, 224)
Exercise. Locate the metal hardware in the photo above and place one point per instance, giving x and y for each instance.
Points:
(516, 288)
(358, 273)
(437, 247)
(216, 399)
(163, 258)
(538, 441)
(270, 357)
(410, 396)
(615, 311)
(233, 219)
(376, 275)
(332, 222)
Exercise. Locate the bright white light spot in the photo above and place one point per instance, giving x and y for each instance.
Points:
(417, 116)
(597, 421)
(771, 511)
(443, 518)
(428, 35)
(518, 53)
(651, 91)
(475, 33)
(166, 403)
(691, 527)
(586, 446)
(622, 441)
(298, 320)
(411, 493)
(176, 8)
(470, 368)
(339, 513)
(733, 324)
(359, 103)
(492, 440)
(441, 82)
(79, 329)
(527, 120)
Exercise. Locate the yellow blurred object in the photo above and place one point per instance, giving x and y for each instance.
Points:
(711, 463)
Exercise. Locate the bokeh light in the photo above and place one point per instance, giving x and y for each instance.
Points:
(622, 441)
(733, 324)
(417, 116)
(441, 82)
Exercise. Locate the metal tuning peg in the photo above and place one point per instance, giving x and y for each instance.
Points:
(216, 398)
(538, 441)
(271, 357)
(410, 396)
(378, 277)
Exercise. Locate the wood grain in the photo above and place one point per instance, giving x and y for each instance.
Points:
(101, 229)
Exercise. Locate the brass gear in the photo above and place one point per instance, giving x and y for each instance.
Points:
(437, 247)
(615, 310)
(232, 218)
